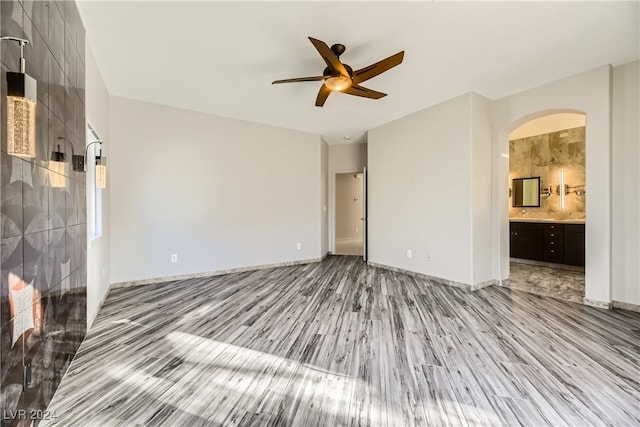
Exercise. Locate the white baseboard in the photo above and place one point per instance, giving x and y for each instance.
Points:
(154, 280)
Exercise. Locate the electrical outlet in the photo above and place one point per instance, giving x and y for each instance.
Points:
(356, 229)
(409, 253)
(429, 257)
(174, 257)
(299, 246)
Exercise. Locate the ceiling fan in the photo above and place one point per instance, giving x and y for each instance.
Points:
(341, 77)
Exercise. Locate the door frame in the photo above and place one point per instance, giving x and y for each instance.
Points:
(332, 208)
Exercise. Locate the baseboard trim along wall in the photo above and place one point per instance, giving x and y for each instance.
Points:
(626, 306)
(598, 304)
(435, 279)
(155, 280)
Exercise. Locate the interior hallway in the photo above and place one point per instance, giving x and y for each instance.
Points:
(343, 343)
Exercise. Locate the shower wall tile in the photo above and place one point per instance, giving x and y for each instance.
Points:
(35, 197)
(11, 266)
(42, 229)
(36, 260)
(57, 207)
(544, 156)
(56, 89)
(11, 202)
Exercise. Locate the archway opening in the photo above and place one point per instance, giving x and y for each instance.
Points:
(547, 205)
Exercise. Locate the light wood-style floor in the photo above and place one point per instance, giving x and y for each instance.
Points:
(339, 343)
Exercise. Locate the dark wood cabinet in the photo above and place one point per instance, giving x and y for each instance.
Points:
(574, 244)
(550, 242)
(526, 240)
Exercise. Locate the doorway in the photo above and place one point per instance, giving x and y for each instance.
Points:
(350, 213)
(547, 206)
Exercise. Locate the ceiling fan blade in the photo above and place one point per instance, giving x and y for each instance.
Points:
(299, 79)
(363, 92)
(329, 57)
(323, 94)
(379, 67)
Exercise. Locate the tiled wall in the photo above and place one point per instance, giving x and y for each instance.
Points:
(42, 229)
(544, 156)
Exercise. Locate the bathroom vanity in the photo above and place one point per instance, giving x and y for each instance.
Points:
(548, 240)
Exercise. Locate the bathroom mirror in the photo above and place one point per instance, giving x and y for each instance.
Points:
(526, 192)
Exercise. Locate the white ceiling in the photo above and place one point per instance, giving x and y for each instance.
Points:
(221, 57)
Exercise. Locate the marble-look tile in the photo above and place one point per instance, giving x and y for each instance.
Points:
(11, 195)
(38, 12)
(35, 196)
(70, 67)
(10, 370)
(56, 35)
(11, 263)
(36, 260)
(58, 264)
(564, 284)
(540, 154)
(73, 202)
(58, 206)
(37, 57)
(544, 156)
(11, 15)
(82, 207)
(56, 90)
(75, 241)
(70, 100)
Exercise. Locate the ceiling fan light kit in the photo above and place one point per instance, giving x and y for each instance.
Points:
(339, 77)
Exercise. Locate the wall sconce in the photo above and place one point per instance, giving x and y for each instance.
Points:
(579, 190)
(562, 189)
(101, 166)
(22, 96)
(101, 172)
(57, 165)
(57, 169)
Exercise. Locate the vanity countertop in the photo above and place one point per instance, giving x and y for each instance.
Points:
(549, 220)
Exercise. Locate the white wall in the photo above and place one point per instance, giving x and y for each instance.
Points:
(588, 93)
(548, 124)
(349, 206)
(481, 189)
(324, 196)
(625, 184)
(347, 157)
(220, 193)
(420, 190)
(98, 257)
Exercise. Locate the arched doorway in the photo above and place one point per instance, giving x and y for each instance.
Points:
(547, 205)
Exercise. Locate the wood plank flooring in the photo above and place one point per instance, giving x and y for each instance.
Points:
(339, 343)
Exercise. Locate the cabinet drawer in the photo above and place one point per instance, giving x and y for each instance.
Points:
(552, 227)
(553, 234)
(552, 255)
(553, 243)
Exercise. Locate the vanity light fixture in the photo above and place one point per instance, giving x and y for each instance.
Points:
(562, 190)
(22, 96)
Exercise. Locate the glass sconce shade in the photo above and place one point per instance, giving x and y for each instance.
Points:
(101, 172)
(57, 169)
(21, 115)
